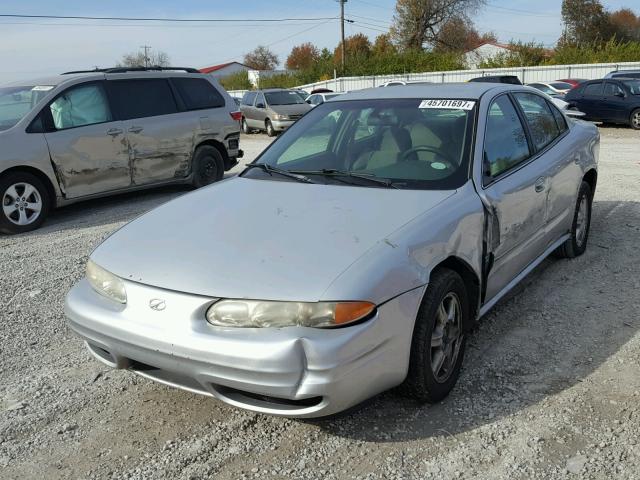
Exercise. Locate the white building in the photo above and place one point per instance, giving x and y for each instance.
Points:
(473, 58)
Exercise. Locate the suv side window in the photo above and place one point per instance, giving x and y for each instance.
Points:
(505, 142)
(198, 93)
(260, 100)
(610, 89)
(139, 98)
(248, 98)
(81, 105)
(540, 119)
(593, 89)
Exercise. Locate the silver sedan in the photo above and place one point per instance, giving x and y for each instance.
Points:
(353, 256)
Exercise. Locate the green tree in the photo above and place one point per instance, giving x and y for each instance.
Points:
(585, 22)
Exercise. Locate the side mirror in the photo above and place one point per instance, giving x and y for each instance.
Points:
(619, 94)
(259, 105)
(308, 101)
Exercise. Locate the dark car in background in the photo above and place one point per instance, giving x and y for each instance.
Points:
(608, 100)
(510, 79)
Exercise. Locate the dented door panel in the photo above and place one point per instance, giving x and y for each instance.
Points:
(90, 159)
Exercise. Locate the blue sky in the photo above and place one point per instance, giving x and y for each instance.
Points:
(36, 47)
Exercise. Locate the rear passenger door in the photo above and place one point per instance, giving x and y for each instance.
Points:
(591, 101)
(615, 105)
(160, 140)
(514, 185)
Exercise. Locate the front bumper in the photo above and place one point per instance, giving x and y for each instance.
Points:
(294, 372)
(280, 125)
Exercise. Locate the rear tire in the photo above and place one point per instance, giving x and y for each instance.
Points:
(245, 126)
(634, 119)
(25, 202)
(269, 127)
(577, 242)
(438, 344)
(208, 166)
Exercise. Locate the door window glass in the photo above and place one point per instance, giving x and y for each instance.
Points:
(79, 106)
(611, 89)
(260, 100)
(560, 120)
(593, 89)
(505, 143)
(248, 98)
(315, 140)
(198, 93)
(540, 119)
(142, 98)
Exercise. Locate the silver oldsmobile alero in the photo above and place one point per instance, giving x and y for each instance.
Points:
(354, 255)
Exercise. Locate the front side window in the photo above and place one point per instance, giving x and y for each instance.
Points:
(142, 98)
(260, 101)
(198, 93)
(542, 124)
(505, 142)
(593, 89)
(16, 102)
(285, 97)
(79, 106)
(407, 142)
(248, 98)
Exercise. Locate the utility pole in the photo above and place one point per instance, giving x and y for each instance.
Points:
(342, 49)
(146, 55)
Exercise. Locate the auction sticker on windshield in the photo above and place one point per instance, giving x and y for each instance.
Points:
(447, 103)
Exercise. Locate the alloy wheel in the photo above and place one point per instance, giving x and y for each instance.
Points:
(635, 119)
(581, 220)
(446, 337)
(22, 203)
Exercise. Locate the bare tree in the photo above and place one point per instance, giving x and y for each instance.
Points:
(261, 59)
(137, 59)
(418, 22)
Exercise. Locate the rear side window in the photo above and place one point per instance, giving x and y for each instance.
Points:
(142, 98)
(611, 89)
(197, 93)
(79, 106)
(561, 122)
(248, 98)
(540, 119)
(593, 89)
(505, 143)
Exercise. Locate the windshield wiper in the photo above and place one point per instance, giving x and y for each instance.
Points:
(332, 172)
(271, 170)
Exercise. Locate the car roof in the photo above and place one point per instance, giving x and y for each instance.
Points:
(472, 90)
(55, 80)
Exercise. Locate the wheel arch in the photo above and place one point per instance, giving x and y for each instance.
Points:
(217, 145)
(43, 177)
(591, 177)
(470, 279)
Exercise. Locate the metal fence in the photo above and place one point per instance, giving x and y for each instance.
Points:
(525, 74)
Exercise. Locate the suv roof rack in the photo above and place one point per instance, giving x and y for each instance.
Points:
(134, 69)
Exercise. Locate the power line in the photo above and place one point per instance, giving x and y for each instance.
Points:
(371, 4)
(528, 12)
(152, 19)
(142, 25)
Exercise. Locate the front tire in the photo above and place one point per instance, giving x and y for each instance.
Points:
(208, 166)
(438, 344)
(269, 127)
(634, 119)
(577, 242)
(25, 203)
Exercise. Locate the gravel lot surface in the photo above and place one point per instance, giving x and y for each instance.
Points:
(550, 387)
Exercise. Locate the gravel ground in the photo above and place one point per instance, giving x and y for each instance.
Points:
(550, 388)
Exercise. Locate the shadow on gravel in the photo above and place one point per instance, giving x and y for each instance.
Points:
(562, 322)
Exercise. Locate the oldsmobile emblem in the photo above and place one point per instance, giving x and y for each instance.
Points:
(157, 304)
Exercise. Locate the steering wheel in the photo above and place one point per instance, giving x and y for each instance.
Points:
(445, 158)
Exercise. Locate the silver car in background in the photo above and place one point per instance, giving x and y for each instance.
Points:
(272, 110)
(355, 254)
(86, 134)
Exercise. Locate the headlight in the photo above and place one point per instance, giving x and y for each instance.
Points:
(256, 313)
(105, 283)
(279, 116)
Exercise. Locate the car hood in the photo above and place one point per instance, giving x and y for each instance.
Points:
(259, 239)
(297, 109)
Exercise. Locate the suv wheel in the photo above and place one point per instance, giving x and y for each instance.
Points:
(208, 166)
(269, 126)
(634, 119)
(438, 344)
(245, 126)
(25, 203)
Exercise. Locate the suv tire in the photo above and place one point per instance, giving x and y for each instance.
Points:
(25, 202)
(208, 166)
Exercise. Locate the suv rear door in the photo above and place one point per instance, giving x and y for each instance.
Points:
(160, 138)
(88, 146)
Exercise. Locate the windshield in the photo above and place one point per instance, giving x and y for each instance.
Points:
(283, 98)
(633, 85)
(16, 102)
(411, 143)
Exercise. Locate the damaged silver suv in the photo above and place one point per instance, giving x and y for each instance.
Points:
(85, 134)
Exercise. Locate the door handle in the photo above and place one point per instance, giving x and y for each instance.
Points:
(540, 184)
(114, 132)
(135, 129)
